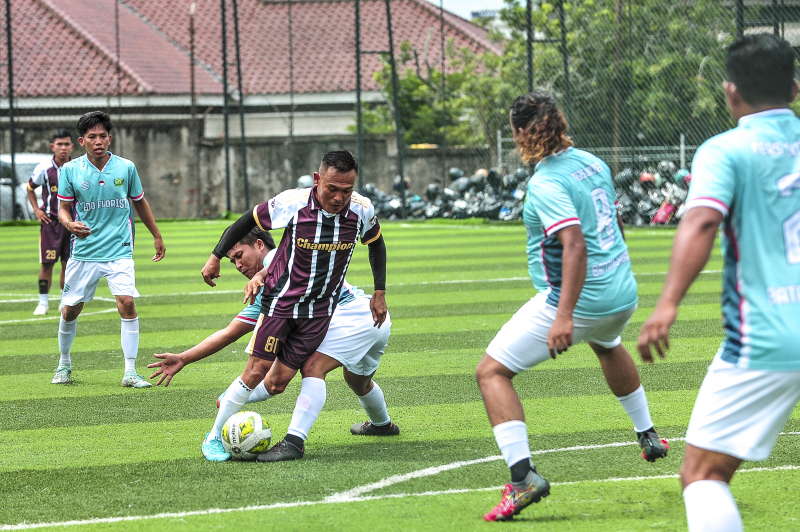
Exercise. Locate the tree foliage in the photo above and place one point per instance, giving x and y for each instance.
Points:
(644, 82)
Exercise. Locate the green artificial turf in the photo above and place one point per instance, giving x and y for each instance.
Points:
(111, 458)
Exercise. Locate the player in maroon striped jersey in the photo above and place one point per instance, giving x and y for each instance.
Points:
(54, 239)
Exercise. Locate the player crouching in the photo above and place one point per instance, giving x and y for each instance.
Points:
(352, 341)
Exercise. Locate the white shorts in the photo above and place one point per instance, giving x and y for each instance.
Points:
(522, 341)
(740, 412)
(81, 278)
(354, 340)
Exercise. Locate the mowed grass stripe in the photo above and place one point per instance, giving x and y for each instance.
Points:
(411, 334)
(199, 398)
(231, 360)
(111, 443)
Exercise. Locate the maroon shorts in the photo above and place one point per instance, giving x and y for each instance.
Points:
(292, 341)
(54, 241)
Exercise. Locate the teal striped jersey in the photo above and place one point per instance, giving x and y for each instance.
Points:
(751, 174)
(574, 187)
(101, 202)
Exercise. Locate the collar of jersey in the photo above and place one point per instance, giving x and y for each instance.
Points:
(90, 163)
(556, 154)
(313, 204)
(762, 114)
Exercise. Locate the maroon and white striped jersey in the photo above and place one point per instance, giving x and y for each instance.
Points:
(45, 175)
(308, 269)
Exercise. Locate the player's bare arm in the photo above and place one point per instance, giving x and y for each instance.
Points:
(39, 213)
(574, 274)
(621, 226)
(146, 216)
(690, 252)
(170, 363)
(79, 229)
(230, 237)
(377, 262)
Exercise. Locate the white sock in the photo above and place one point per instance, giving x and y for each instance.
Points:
(66, 334)
(635, 405)
(374, 405)
(259, 393)
(235, 397)
(44, 298)
(512, 438)
(710, 507)
(130, 342)
(308, 406)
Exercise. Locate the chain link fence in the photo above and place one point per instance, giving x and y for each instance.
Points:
(223, 103)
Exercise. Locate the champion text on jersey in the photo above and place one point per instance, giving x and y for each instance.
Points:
(332, 246)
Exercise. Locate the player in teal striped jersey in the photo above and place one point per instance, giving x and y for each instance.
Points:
(579, 264)
(745, 179)
(96, 192)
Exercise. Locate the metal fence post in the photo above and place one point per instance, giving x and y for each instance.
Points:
(359, 118)
(225, 108)
(398, 127)
(241, 102)
(12, 125)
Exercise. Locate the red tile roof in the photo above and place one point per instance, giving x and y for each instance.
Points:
(67, 47)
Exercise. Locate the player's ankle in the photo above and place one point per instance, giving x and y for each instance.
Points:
(297, 441)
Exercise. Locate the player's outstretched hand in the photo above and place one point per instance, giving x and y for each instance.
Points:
(560, 337)
(656, 330)
(378, 307)
(168, 366)
(253, 286)
(211, 270)
(79, 229)
(160, 249)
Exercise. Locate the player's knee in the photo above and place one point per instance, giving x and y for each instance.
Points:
(275, 388)
(126, 307)
(483, 372)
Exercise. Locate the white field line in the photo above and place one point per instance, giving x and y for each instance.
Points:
(210, 511)
(449, 281)
(106, 311)
(430, 471)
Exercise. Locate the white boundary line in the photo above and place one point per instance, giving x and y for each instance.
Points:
(296, 504)
(353, 495)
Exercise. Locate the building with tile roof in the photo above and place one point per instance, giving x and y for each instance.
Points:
(65, 64)
(65, 56)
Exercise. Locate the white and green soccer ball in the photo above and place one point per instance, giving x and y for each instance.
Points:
(245, 435)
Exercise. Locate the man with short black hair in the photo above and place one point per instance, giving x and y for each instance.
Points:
(746, 179)
(351, 343)
(53, 238)
(302, 284)
(101, 186)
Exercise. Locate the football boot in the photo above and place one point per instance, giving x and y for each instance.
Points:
(515, 497)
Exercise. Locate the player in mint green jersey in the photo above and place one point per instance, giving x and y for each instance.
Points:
(101, 187)
(579, 264)
(747, 180)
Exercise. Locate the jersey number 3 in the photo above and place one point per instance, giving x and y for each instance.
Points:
(605, 218)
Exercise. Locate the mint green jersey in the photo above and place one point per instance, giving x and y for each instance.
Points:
(751, 174)
(575, 188)
(101, 202)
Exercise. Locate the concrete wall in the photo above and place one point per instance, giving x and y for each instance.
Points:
(183, 172)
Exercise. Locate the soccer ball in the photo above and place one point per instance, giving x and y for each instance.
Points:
(245, 435)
